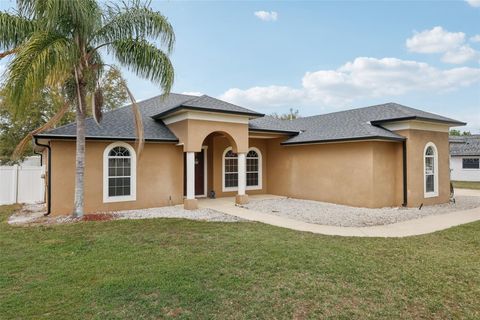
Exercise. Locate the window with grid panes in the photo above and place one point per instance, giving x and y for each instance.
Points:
(119, 172)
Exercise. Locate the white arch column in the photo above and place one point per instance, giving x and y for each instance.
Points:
(190, 203)
(242, 197)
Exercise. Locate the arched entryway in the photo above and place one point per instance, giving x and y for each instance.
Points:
(203, 143)
(208, 165)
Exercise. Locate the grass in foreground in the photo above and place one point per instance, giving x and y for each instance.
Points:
(466, 184)
(170, 268)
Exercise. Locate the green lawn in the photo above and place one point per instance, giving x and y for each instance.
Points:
(466, 184)
(161, 268)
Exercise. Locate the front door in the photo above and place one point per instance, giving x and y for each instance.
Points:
(199, 173)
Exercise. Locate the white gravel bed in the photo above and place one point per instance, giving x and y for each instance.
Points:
(33, 214)
(176, 212)
(345, 216)
(28, 214)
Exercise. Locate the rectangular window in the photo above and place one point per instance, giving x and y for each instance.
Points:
(119, 177)
(231, 172)
(252, 172)
(471, 163)
(430, 186)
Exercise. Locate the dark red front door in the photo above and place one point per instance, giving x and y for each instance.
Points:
(199, 173)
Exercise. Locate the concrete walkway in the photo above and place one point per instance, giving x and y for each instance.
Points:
(414, 227)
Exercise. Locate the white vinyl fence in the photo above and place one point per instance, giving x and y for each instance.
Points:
(22, 184)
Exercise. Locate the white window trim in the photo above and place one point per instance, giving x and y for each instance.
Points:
(435, 173)
(133, 172)
(260, 171)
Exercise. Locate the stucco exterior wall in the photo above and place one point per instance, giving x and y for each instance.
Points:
(387, 174)
(416, 141)
(192, 133)
(364, 174)
(159, 177)
(460, 174)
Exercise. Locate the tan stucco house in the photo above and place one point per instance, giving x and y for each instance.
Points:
(383, 155)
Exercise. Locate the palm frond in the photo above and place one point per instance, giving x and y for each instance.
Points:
(81, 17)
(97, 105)
(45, 56)
(15, 30)
(135, 21)
(139, 131)
(145, 60)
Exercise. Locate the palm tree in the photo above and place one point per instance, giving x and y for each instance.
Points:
(59, 43)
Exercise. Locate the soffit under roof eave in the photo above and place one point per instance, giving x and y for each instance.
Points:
(182, 109)
(453, 123)
(195, 114)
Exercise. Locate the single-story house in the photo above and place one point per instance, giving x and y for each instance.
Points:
(377, 156)
(465, 158)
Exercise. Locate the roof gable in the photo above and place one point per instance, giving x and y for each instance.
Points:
(207, 103)
(361, 123)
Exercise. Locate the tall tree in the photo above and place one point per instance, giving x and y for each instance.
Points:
(59, 43)
(456, 132)
(15, 127)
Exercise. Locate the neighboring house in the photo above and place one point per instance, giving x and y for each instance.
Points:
(465, 158)
(383, 155)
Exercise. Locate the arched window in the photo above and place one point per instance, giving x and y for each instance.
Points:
(230, 170)
(430, 170)
(253, 168)
(119, 173)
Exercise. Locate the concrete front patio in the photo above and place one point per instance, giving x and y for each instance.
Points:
(419, 226)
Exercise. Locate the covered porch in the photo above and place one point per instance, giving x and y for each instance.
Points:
(221, 157)
(219, 171)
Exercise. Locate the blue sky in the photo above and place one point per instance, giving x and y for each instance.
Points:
(320, 57)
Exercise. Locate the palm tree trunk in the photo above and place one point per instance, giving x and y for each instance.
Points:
(80, 153)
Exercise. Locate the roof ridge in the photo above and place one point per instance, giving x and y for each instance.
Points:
(73, 123)
(351, 110)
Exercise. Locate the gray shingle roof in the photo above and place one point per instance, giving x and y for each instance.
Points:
(269, 123)
(394, 111)
(465, 145)
(353, 124)
(118, 123)
(357, 124)
(207, 103)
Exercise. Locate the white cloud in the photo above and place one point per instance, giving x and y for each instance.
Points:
(362, 78)
(439, 40)
(266, 15)
(474, 3)
(271, 96)
(460, 55)
(475, 38)
(436, 40)
(193, 93)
